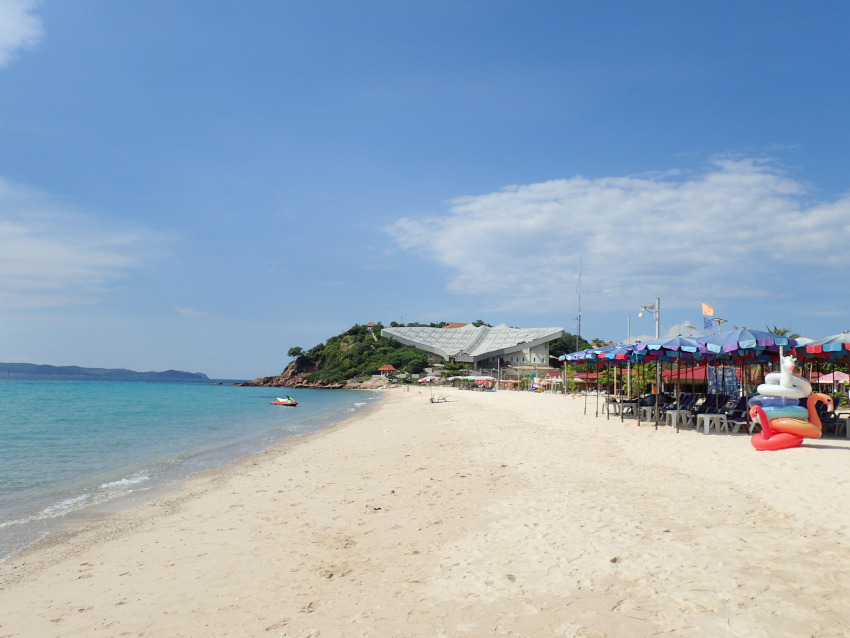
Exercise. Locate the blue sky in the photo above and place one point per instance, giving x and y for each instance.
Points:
(201, 185)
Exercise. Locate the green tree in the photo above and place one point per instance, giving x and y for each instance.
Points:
(567, 344)
(782, 332)
(356, 352)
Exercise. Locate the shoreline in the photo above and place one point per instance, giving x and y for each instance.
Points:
(161, 475)
(490, 514)
(88, 523)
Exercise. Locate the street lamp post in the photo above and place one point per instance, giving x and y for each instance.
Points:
(720, 323)
(691, 326)
(655, 308)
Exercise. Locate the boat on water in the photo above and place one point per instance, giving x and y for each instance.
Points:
(287, 401)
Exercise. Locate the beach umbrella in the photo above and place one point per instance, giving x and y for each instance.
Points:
(580, 356)
(750, 344)
(576, 357)
(833, 378)
(587, 356)
(833, 348)
(676, 349)
(747, 347)
(613, 355)
(617, 352)
(670, 344)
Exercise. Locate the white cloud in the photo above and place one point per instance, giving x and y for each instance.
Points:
(19, 28)
(739, 229)
(51, 256)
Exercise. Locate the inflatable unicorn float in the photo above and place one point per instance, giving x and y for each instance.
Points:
(776, 408)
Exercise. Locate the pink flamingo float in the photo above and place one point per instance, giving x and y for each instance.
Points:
(776, 396)
(785, 432)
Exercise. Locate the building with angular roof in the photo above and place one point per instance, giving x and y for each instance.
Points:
(484, 346)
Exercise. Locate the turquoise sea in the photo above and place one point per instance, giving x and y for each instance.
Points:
(68, 448)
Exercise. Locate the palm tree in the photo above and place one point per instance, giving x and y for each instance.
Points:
(782, 332)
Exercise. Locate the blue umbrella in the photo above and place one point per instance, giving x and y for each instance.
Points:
(578, 356)
(671, 348)
(617, 352)
(753, 344)
(585, 356)
(740, 346)
(595, 354)
(833, 348)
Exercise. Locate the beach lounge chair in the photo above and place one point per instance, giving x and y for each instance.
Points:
(712, 405)
(828, 419)
(684, 401)
(739, 415)
(677, 411)
(708, 405)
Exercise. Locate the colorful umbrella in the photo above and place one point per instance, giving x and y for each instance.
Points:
(834, 348)
(755, 345)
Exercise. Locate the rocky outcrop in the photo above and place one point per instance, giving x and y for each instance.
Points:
(298, 379)
(374, 383)
(290, 381)
(295, 376)
(281, 382)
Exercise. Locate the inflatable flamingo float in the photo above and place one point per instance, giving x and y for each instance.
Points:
(785, 423)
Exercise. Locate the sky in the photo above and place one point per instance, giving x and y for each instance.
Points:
(202, 185)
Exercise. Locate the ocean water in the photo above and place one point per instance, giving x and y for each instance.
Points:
(69, 447)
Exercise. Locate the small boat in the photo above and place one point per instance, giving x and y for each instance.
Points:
(287, 401)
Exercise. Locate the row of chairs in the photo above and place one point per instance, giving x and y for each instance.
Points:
(735, 411)
(689, 409)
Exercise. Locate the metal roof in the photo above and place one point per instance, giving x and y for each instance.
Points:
(473, 344)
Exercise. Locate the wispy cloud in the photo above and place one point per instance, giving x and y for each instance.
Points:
(51, 256)
(19, 28)
(740, 228)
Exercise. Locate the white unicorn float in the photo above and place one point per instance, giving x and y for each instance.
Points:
(784, 422)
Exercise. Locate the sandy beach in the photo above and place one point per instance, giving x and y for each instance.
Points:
(492, 514)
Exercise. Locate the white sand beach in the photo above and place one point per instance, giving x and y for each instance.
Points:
(492, 514)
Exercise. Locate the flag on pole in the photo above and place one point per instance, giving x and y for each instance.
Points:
(707, 313)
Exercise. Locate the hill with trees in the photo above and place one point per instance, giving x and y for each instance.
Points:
(354, 356)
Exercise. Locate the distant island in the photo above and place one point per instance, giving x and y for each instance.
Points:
(32, 371)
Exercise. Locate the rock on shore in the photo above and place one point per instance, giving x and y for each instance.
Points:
(298, 381)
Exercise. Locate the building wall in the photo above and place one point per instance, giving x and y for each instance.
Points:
(538, 355)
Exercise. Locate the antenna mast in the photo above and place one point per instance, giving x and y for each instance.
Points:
(578, 290)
